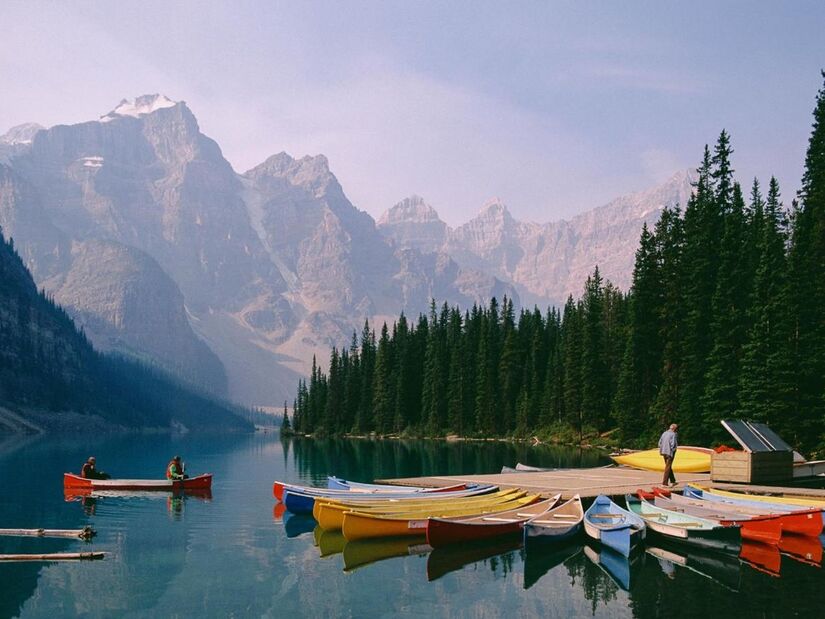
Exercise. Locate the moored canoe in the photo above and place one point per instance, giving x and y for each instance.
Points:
(361, 525)
(75, 482)
(765, 529)
(756, 501)
(556, 524)
(444, 531)
(330, 514)
(685, 528)
(613, 526)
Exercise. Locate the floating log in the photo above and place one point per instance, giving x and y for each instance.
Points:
(58, 556)
(86, 532)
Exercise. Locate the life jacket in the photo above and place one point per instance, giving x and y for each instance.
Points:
(172, 470)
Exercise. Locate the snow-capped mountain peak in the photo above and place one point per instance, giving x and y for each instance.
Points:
(140, 106)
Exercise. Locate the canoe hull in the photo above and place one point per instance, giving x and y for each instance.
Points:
(622, 535)
(442, 532)
(75, 482)
(687, 460)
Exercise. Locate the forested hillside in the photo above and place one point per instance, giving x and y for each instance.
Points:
(52, 378)
(724, 318)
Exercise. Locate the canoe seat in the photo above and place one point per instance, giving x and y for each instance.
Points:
(607, 515)
(554, 523)
(493, 519)
(565, 516)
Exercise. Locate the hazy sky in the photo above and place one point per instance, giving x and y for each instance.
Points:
(554, 107)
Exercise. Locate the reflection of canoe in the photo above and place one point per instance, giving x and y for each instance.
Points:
(617, 566)
(444, 531)
(451, 558)
(805, 549)
(75, 482)
(721, 568)
(360, 525)
(298, 524)
(770, 504)
(74, 494)
(556, 524)
(613, 526)
(330, 514)
(540, 560)
(687, 460)
(762, 557)
(365, 551)
(686, 528)
(329, 542)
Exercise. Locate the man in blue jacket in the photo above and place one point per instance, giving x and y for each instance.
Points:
(667, 447)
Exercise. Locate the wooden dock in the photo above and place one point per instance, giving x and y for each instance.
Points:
(611, 481)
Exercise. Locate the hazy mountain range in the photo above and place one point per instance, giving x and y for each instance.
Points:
(139, 227)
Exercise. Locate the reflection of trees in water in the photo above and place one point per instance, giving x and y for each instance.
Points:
(367, 459)
(596, 585)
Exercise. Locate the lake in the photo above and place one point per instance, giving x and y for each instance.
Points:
(237, 555)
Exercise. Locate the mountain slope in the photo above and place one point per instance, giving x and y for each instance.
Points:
(51, 377)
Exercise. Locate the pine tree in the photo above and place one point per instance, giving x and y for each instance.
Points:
(807, 288)
(595, 379)
(286, 427)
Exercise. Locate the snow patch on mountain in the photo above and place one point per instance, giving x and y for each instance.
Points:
(141, 106)
(20, 134)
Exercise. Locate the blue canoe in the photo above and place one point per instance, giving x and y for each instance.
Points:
(617, 566)
(613, 526)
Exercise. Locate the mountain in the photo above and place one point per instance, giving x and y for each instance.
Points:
(544, 262)
(138, 224)
(141, 229)
(52, 378)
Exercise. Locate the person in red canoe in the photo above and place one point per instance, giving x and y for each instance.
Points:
(89, 470)
(174, 470)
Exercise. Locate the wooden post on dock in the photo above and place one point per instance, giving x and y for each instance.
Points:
(86, 532)
(58, 556)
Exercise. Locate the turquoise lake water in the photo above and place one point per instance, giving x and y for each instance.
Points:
(236, 555)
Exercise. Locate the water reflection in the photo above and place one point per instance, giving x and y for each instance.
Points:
(239, 555)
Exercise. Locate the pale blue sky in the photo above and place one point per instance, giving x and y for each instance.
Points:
(554, 107)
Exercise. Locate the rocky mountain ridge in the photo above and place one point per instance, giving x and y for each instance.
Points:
(138, 224)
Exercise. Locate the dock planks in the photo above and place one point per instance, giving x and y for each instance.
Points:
(585, 482)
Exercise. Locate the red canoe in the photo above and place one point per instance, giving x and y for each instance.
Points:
(444, 531)
(75, 482)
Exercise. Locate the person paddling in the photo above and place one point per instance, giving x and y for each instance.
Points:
(668, 444)
(174, 469)
(89, 470)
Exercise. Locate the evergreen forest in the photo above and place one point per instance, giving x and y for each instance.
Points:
(725, 318)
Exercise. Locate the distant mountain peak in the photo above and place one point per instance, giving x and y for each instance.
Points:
(21, 134)
(409, 210)
(140, 106)
(495, 208)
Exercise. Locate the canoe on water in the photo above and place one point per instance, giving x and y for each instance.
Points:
(75, 482)
(336, 483)
(362, 525)
(299, 502)
(557, 524)
(802, 522)
(330, 514)
(278, 488)
(688, 460)
(770, 504)
(445, 531)
(765, 529)
(613, 526)
(686, 528)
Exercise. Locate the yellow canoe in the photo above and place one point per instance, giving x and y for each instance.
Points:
(362, 525)
(330, 514)
(687, 460)
(781, 500)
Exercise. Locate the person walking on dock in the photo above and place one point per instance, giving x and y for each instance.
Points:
(89, 471)
(668, 444)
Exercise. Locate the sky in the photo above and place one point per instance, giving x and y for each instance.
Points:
(554, 107)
